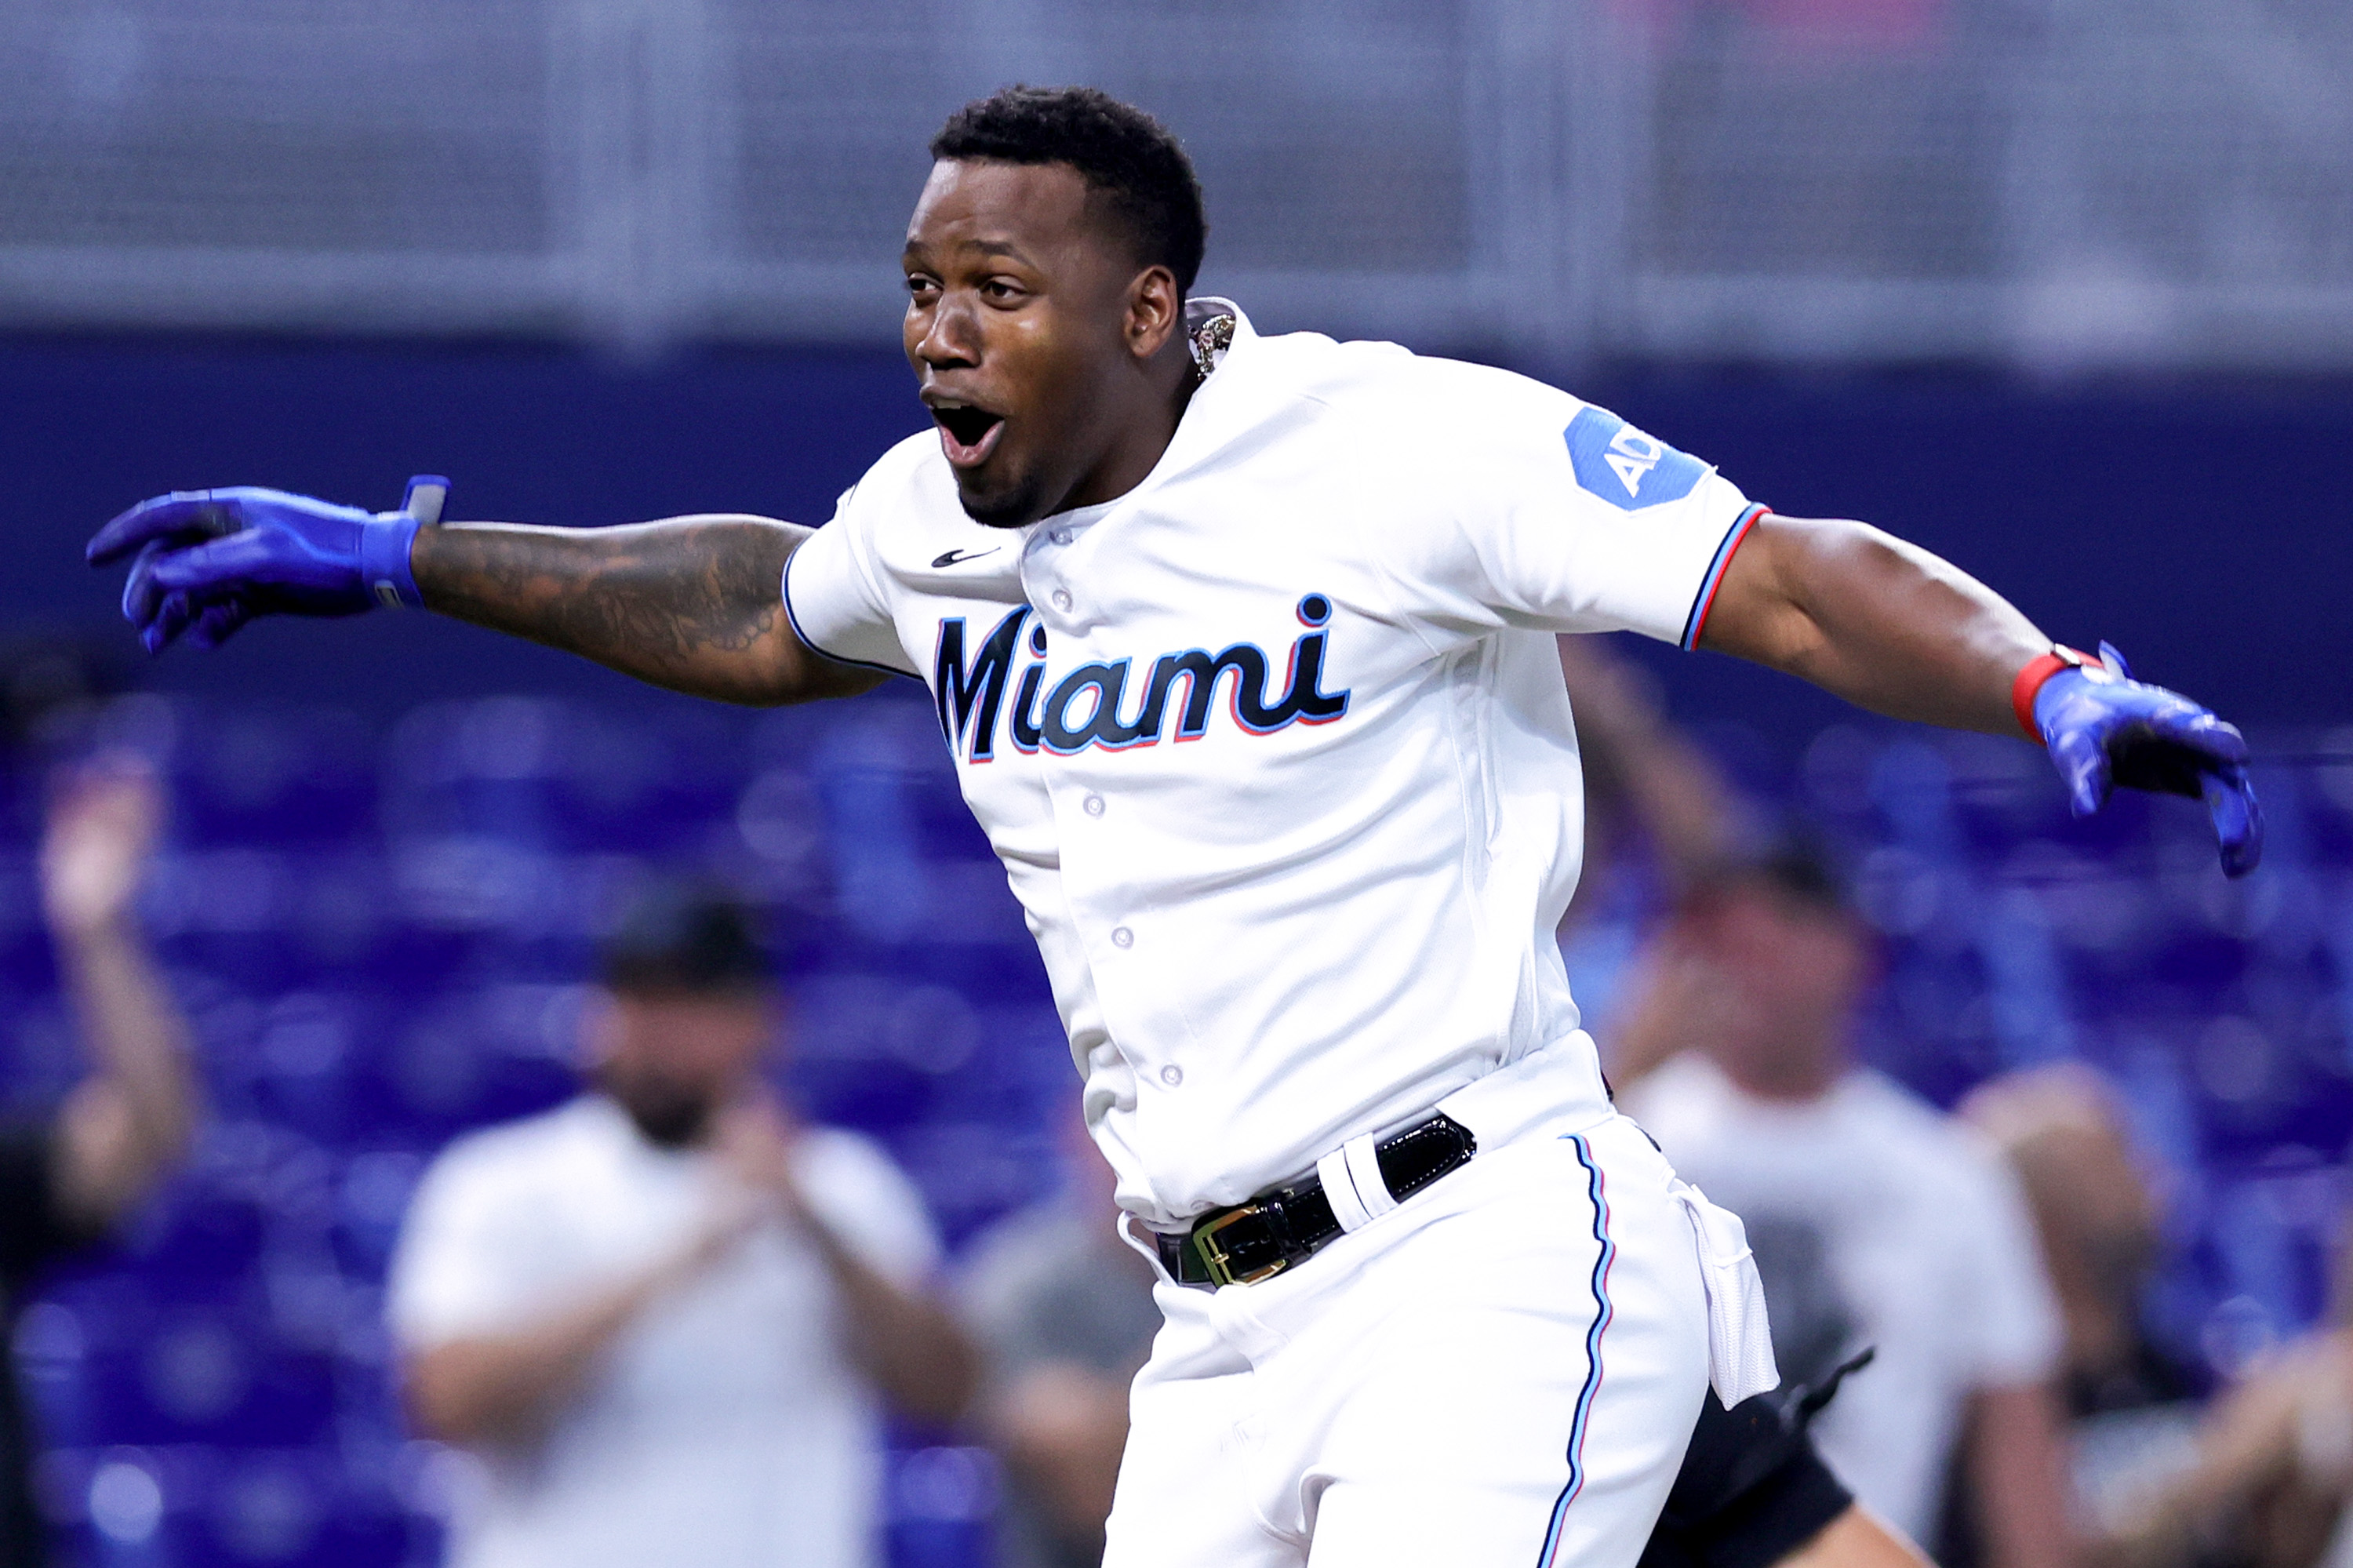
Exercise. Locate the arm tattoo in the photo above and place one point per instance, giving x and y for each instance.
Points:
(693, 604)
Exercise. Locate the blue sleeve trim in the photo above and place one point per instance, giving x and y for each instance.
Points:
(784, 591)
(1704, 600)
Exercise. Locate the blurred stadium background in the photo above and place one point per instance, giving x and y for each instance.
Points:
(2063, 289)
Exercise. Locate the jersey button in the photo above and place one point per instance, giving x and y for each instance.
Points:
(1095, 804)
(1121, 936)
(1060, 536)
(1172, 1074)
(1062, 600)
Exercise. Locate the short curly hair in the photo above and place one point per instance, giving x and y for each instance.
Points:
(1117, 148)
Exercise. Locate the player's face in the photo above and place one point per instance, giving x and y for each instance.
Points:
(1018, 325)
(672, 1059)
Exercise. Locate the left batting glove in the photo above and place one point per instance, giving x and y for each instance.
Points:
(206, 561)
(2103, 729)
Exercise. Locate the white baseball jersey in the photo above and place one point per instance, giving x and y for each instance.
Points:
(1275, 746)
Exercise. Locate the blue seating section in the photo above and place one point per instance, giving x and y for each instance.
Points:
(381, 934)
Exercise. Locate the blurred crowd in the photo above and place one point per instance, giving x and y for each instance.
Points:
(677, 1317)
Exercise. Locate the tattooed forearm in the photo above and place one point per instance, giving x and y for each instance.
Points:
(691, 604)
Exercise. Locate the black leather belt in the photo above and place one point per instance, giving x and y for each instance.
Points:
(1273, 1231)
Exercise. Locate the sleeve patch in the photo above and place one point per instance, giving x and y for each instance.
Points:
(1624, 467)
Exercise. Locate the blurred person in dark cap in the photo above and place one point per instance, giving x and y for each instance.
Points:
(67, 1179)
(666, 1314)
(1876, 1220)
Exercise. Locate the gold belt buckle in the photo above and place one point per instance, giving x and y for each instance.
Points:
(1213, 1256)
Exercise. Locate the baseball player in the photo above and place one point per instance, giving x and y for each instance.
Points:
(1244, 645)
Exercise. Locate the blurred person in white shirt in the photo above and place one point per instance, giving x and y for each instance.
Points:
(1876, 1220)
(666, 1316)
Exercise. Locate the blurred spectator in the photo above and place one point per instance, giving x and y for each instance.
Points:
(1064, 1309)
(66, 1181)
(2061, 1131)
(1875, 1220)
(2267, 1482)
(661, 1313)
(2134, 1408)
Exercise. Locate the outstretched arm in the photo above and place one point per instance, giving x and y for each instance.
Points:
(1882, 623)
(690, 603)
(1892, 628)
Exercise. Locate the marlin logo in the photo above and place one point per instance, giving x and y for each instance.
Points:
(1088, 707)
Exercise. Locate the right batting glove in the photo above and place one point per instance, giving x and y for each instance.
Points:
(2104, 729)
(206, 561)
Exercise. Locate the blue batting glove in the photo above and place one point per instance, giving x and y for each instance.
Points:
(2104, 729)
(205, 562)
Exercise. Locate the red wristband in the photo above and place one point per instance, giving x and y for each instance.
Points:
(2029, 681)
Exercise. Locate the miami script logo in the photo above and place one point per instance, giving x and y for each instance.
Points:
(1090, 705)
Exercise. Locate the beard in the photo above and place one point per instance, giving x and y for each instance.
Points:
(1019, 505)
(666, 1116)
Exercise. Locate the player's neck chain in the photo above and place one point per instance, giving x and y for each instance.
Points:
(1208, 340)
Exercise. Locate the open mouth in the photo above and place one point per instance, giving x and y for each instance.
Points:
(967, 434)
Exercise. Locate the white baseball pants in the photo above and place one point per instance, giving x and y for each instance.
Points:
(1501, 1372)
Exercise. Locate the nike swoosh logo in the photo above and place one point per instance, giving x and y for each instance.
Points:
(956, 557)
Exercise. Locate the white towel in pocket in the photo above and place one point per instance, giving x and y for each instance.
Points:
(1739, 1336)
